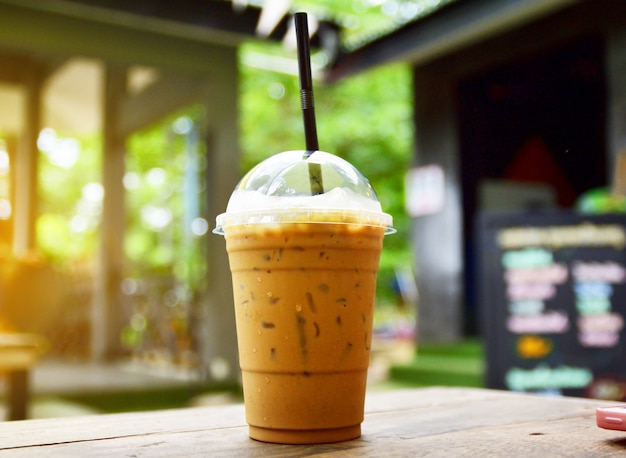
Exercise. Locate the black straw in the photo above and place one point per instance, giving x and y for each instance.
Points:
(306, 82)
(306, 99)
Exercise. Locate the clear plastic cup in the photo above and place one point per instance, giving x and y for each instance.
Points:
(304, 273)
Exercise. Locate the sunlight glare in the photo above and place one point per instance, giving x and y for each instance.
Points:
(93, 192)
(66, 153)
(47, 139)
(5, 209)
(5, 166)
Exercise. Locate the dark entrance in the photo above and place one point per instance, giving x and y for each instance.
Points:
(537, 120)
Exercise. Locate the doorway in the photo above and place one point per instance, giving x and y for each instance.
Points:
(538, 121)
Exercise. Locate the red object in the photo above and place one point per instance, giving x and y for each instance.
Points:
(534, 163)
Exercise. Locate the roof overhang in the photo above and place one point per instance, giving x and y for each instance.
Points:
(216, 21)
(66, 42)
(453, 27)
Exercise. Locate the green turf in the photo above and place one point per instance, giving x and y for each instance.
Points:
(459, 364)
(149, 399)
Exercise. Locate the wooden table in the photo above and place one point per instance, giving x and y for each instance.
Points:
(18, 355)
(406, 423)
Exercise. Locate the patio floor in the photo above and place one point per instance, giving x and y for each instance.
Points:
(69, 388)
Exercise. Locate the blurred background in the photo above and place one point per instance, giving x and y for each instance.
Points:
(124, 128)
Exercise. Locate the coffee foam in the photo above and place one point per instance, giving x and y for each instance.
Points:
(335, 199)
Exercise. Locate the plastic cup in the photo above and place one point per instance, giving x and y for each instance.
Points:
(304, 279)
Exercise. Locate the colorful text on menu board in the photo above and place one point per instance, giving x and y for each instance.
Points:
(564, 286)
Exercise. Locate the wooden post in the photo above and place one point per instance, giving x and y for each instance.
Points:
(26, 168)
(616, 121)
(216, 320)
(106, 319)
(619, 175)
(7, 227)
(438, 238)
(19, 394)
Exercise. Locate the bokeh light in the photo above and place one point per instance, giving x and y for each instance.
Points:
(131, 181)
(157, 218)
(156, 177)
(199, 227)
(61, 152)
(182, 125)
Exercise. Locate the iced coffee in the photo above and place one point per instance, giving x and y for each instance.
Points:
(304, 280)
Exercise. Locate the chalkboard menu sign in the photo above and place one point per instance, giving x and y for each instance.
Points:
(553, 302)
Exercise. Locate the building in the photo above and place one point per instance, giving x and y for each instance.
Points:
(117, 67)
(522, 104)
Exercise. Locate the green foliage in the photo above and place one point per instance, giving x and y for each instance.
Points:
(159, 164)
(365, 120)
(68, 223)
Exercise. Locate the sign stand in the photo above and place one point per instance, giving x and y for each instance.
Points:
(553, 302)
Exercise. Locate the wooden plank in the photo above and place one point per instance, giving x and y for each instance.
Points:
(207, 418)
(425, 422)
(404, 433)
(19, 351)
(17, 358)
(561, 437)
(122, 426)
